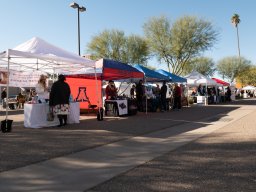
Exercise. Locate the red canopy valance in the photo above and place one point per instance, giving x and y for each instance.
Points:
(224, 83)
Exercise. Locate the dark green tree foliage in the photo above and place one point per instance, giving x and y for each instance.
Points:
(113, 44)
(177, 44)
(232, 67)
(203, 65)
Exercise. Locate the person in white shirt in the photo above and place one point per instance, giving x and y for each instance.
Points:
(42, 89)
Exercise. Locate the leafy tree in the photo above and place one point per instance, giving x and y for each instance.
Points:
(248, 76)
(231, 67)
(235, 20)
(203, 65)
(137, 50)
(113, 44)
(108, 44)
(176, 44)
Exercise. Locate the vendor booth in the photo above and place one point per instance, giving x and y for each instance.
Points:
(177, 79)
(39, 56)
(106, 70)
(221, 90)
(35, 115)
(196, 79)
(249, 91)
(151, 103)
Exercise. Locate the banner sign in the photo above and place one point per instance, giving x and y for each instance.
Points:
(24, 79)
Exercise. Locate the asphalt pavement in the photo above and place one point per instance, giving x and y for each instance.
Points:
(200, 148)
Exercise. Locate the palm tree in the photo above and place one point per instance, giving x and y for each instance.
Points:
(235, 20)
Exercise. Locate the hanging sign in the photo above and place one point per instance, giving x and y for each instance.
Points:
(24, 79)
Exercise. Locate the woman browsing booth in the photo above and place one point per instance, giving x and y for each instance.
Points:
(59, 99)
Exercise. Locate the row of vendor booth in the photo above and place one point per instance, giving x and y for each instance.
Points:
(86, 78)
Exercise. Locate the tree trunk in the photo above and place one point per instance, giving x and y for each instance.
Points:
(168, 64)
(238, 41)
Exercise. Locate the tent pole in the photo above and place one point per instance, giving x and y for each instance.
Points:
(206, 95)
(146, 97)
(97, 88)
(7, 95)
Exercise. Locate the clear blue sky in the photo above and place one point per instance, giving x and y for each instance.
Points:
(56, 22)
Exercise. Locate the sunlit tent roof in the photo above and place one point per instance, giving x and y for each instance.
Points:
(219, 81)
(107, 69)
(37, 54)
(195, 78)
(249, 87)
(151, 75)
(173, 78)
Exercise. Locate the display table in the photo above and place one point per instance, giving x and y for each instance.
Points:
(35, 115)
(116, 107)
(132, 107)
(152, 105)
(200, 99)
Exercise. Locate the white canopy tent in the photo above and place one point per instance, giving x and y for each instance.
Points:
(195, 78)
(39, 55)
(249, 87)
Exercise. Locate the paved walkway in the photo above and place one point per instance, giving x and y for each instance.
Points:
(136, 141)
(222, 161)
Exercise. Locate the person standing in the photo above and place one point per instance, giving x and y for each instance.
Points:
(59, 99)
(201, 90)
(132, 92)
(163, 92)
(177, 97)
(228, 94)
(111, 91)
(111, 94)
(41, 89)
(140, 95)
(3, 97)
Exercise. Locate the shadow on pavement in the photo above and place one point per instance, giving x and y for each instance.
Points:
(26, 146)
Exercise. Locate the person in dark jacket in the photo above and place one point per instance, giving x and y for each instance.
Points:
(59, 99)
(228, 94)
(139, 95)
(163, 92)
(3, 96)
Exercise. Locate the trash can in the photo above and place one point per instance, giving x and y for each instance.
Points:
(6, 125)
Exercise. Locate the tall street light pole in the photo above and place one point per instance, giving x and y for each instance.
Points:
(79, 9)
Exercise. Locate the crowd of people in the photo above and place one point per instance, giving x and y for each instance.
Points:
(167, 96)
(214, 94)
(157, 95)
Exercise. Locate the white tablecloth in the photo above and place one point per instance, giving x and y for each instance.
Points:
(201, 99)
(35, 115)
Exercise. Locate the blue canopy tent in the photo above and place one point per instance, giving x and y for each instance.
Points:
(173, 78)
(151, 75)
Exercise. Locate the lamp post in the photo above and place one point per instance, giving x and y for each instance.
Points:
(79, 9)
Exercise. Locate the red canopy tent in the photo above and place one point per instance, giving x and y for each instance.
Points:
(219, 81)
(105, 69)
